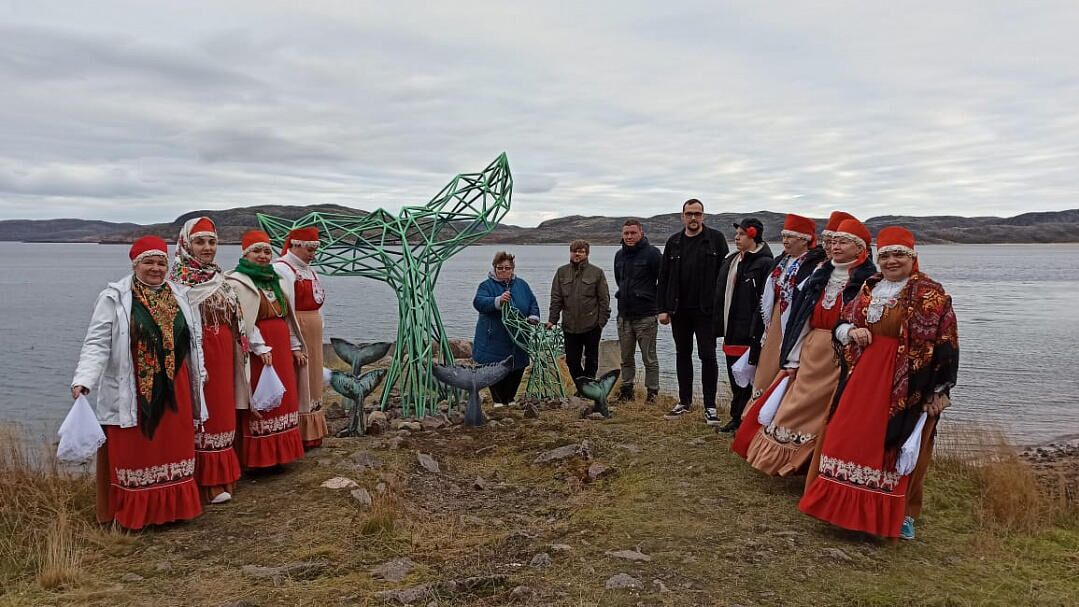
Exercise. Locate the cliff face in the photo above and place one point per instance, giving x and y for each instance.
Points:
(1057, 226)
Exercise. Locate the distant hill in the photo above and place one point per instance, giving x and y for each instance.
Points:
(1056, 226)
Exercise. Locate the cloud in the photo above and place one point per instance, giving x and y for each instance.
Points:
(143, 112)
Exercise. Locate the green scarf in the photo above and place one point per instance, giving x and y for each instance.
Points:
(264, 278)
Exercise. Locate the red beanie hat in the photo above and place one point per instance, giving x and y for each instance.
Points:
(834, 220)
(203, 227)
(800, 227)
(252, 239)
(147, 246)
(852, 229)
(300, 236)
(895, 239)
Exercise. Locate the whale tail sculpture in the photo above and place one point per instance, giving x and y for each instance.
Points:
(473, 379)
(357, 385)
(597, 390)
(356, 389)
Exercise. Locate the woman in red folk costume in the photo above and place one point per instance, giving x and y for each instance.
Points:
(304, 292)
(901, 360)
(800, 258)
(828, 233)
(785, 444)
(142, 358)
(269, 438)
(217, 467)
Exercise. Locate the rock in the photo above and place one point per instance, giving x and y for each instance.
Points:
(598, 470)
(660, 586)
(629, 447)
(340, 482)
(365, 460)
(484, 584)
(561, 548)
(530, 413)
(407, 596)
(432, 423)
(837, 554)
(479, 484)
(395, 570)
(695, 441)
(621, 580)
(429, 464)
(576, 402)
(629, 555)
(582, 449)
(131, 577)
(299, 570)
(540, 561)
(164, 567)
(380, 488)
(394, 443)
(443, 405)
(362, 496)
(377, 422)
(493, 424)
(412, 426)
(596, 416)
(507, 421)
(521, 594)
(461, 348)
(456, 417)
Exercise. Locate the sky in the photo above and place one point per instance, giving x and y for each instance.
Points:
(140, 111)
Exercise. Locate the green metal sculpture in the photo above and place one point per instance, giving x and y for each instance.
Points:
(544, 346)
(406, 252)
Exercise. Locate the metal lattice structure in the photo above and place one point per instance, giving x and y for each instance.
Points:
(406, 252)
(544, 346)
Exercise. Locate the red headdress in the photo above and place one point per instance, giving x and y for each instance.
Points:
(895, 239)
(301, 237)
(147, 246)
(834, 220)
(252, 239)
(800, 227)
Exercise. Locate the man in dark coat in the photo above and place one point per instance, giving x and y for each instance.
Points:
(636, 272)
(739, 287)
(691, 260)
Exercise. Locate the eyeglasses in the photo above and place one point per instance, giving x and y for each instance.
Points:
(503, 268)
(691, 214)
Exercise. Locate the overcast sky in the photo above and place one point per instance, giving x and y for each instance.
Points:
(139, 111)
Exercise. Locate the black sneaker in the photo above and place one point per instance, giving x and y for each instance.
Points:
(711, 418)
(678, 411)
(651, 398)
(731, 426)
(625, 394)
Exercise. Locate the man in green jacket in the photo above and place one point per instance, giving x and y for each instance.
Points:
(579, 295)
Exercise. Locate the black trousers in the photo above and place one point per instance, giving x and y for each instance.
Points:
(685, 326)
(505, 390)
(739, 396)
(586, 344)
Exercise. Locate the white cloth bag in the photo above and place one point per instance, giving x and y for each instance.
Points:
(80, 433)
(743, 371)
(268, 391)
(768, 411)
(908, 453)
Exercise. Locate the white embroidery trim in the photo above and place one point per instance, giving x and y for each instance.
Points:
(214, 442)
(885, 294)
(857, 474)
(153, 475)
(273, 425)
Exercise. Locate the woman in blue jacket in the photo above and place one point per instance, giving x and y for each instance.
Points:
(492, 342)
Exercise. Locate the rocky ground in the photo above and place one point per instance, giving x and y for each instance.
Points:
(557, 510)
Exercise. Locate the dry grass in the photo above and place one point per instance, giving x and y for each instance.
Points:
(45, 510)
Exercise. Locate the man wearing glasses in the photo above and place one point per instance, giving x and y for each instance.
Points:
(304, 293)
(687, 277)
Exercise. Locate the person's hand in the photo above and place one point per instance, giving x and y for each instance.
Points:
(664, 318)
(267, 359)
(300, 357)
(937, 404)
(505, 297)
(77, 391)
(862, 337)
(549, 325)
(534, 321)
(254, 413)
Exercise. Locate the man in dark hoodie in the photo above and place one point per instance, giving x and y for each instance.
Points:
(739, 287)
(636, 272)
(687, 276)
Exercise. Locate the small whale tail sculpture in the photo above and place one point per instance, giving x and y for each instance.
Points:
(356, 389)
(359, 355)
(597, 390)
(473, 379)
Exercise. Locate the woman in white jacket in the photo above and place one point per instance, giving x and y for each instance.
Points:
(272, 437)
(142, 358)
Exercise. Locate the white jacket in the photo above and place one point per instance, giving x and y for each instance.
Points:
(105, 365)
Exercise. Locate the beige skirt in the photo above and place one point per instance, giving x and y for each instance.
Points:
(785, 446)
(312, 418)
(768, 364)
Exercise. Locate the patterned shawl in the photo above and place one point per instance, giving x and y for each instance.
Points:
(159, 345)
(927, 361)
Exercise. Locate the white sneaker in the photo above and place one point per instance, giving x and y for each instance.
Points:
(499, 405)
(221, 498)
(512, 403)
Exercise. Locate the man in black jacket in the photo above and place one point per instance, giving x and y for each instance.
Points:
(636, 270)
(687, 274)
(738, 301)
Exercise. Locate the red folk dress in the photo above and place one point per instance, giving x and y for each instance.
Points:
(271, 438)
(217, 467)
(308, 299)
(856, 486)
